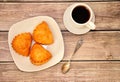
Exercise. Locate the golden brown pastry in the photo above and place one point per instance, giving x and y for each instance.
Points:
(21, 43)
(39, 55)
(42, 34)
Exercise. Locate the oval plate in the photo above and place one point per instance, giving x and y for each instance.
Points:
(28, 25)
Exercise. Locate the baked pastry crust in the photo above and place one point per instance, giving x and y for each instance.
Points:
(42, 34)
(39, 55)
(22, 43)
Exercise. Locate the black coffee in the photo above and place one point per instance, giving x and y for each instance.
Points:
(80, 14)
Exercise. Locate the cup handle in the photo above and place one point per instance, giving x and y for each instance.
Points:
(91, 25)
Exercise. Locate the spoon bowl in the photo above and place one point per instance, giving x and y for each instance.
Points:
(66, 67)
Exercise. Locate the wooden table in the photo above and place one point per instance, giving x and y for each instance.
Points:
(98, 60)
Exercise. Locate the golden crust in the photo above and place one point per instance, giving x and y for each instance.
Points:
(39, 55)
(21, 43)
(42, 34)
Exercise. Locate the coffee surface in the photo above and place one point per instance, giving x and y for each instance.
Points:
(80, 14)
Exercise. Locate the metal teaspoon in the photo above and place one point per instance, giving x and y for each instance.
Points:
(66, 66)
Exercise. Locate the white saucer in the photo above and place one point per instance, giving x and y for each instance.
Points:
(71, 28)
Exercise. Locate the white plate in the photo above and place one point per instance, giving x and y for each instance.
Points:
(71, 28)
(57, 48)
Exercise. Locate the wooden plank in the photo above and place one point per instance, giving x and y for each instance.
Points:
(98, 45)
(54, 0)
(4, 49)
(80, 72)
(107, 13)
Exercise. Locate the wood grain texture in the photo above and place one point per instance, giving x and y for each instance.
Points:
(98, 45)
(53, 0)
(4, 49)
(80, 72)
(107, 13)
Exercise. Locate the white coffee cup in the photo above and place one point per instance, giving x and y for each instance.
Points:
(69, 19)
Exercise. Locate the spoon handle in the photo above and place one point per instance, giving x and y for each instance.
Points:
(78, 45)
